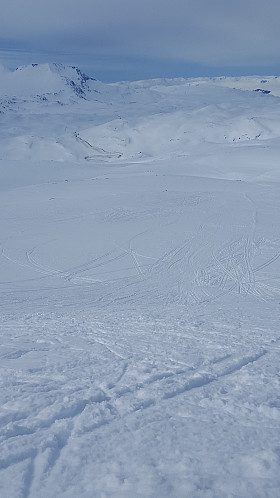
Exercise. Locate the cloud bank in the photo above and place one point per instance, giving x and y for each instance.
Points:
(208, 32)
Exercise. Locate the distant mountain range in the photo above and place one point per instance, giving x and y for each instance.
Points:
(56, 112)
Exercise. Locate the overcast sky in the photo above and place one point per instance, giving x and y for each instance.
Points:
(132, 39)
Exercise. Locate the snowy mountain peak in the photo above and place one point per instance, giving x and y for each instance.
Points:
(71, 75)
(39, 79)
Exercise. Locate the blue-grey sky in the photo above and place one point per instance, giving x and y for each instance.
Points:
(133, 39)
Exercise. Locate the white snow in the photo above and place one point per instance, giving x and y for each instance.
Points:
(140, 287)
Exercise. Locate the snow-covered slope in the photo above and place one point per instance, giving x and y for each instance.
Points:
(61, 114)
(140, 287)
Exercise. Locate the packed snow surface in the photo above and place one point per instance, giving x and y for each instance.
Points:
(140, 286)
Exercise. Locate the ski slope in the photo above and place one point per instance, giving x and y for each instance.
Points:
(140, 286)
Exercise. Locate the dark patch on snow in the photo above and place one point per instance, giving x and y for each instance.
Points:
(262, 91)
(80, 85)
(42, 98)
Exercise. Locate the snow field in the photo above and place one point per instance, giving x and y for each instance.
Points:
(139, 310)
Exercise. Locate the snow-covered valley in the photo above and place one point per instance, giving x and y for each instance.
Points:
(140, 286)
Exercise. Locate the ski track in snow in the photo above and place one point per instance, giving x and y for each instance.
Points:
(103, 381)
(139, 288)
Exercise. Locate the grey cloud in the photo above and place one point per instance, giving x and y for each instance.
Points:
(217, 32)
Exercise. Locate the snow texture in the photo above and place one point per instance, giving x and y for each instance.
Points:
(140, 286)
